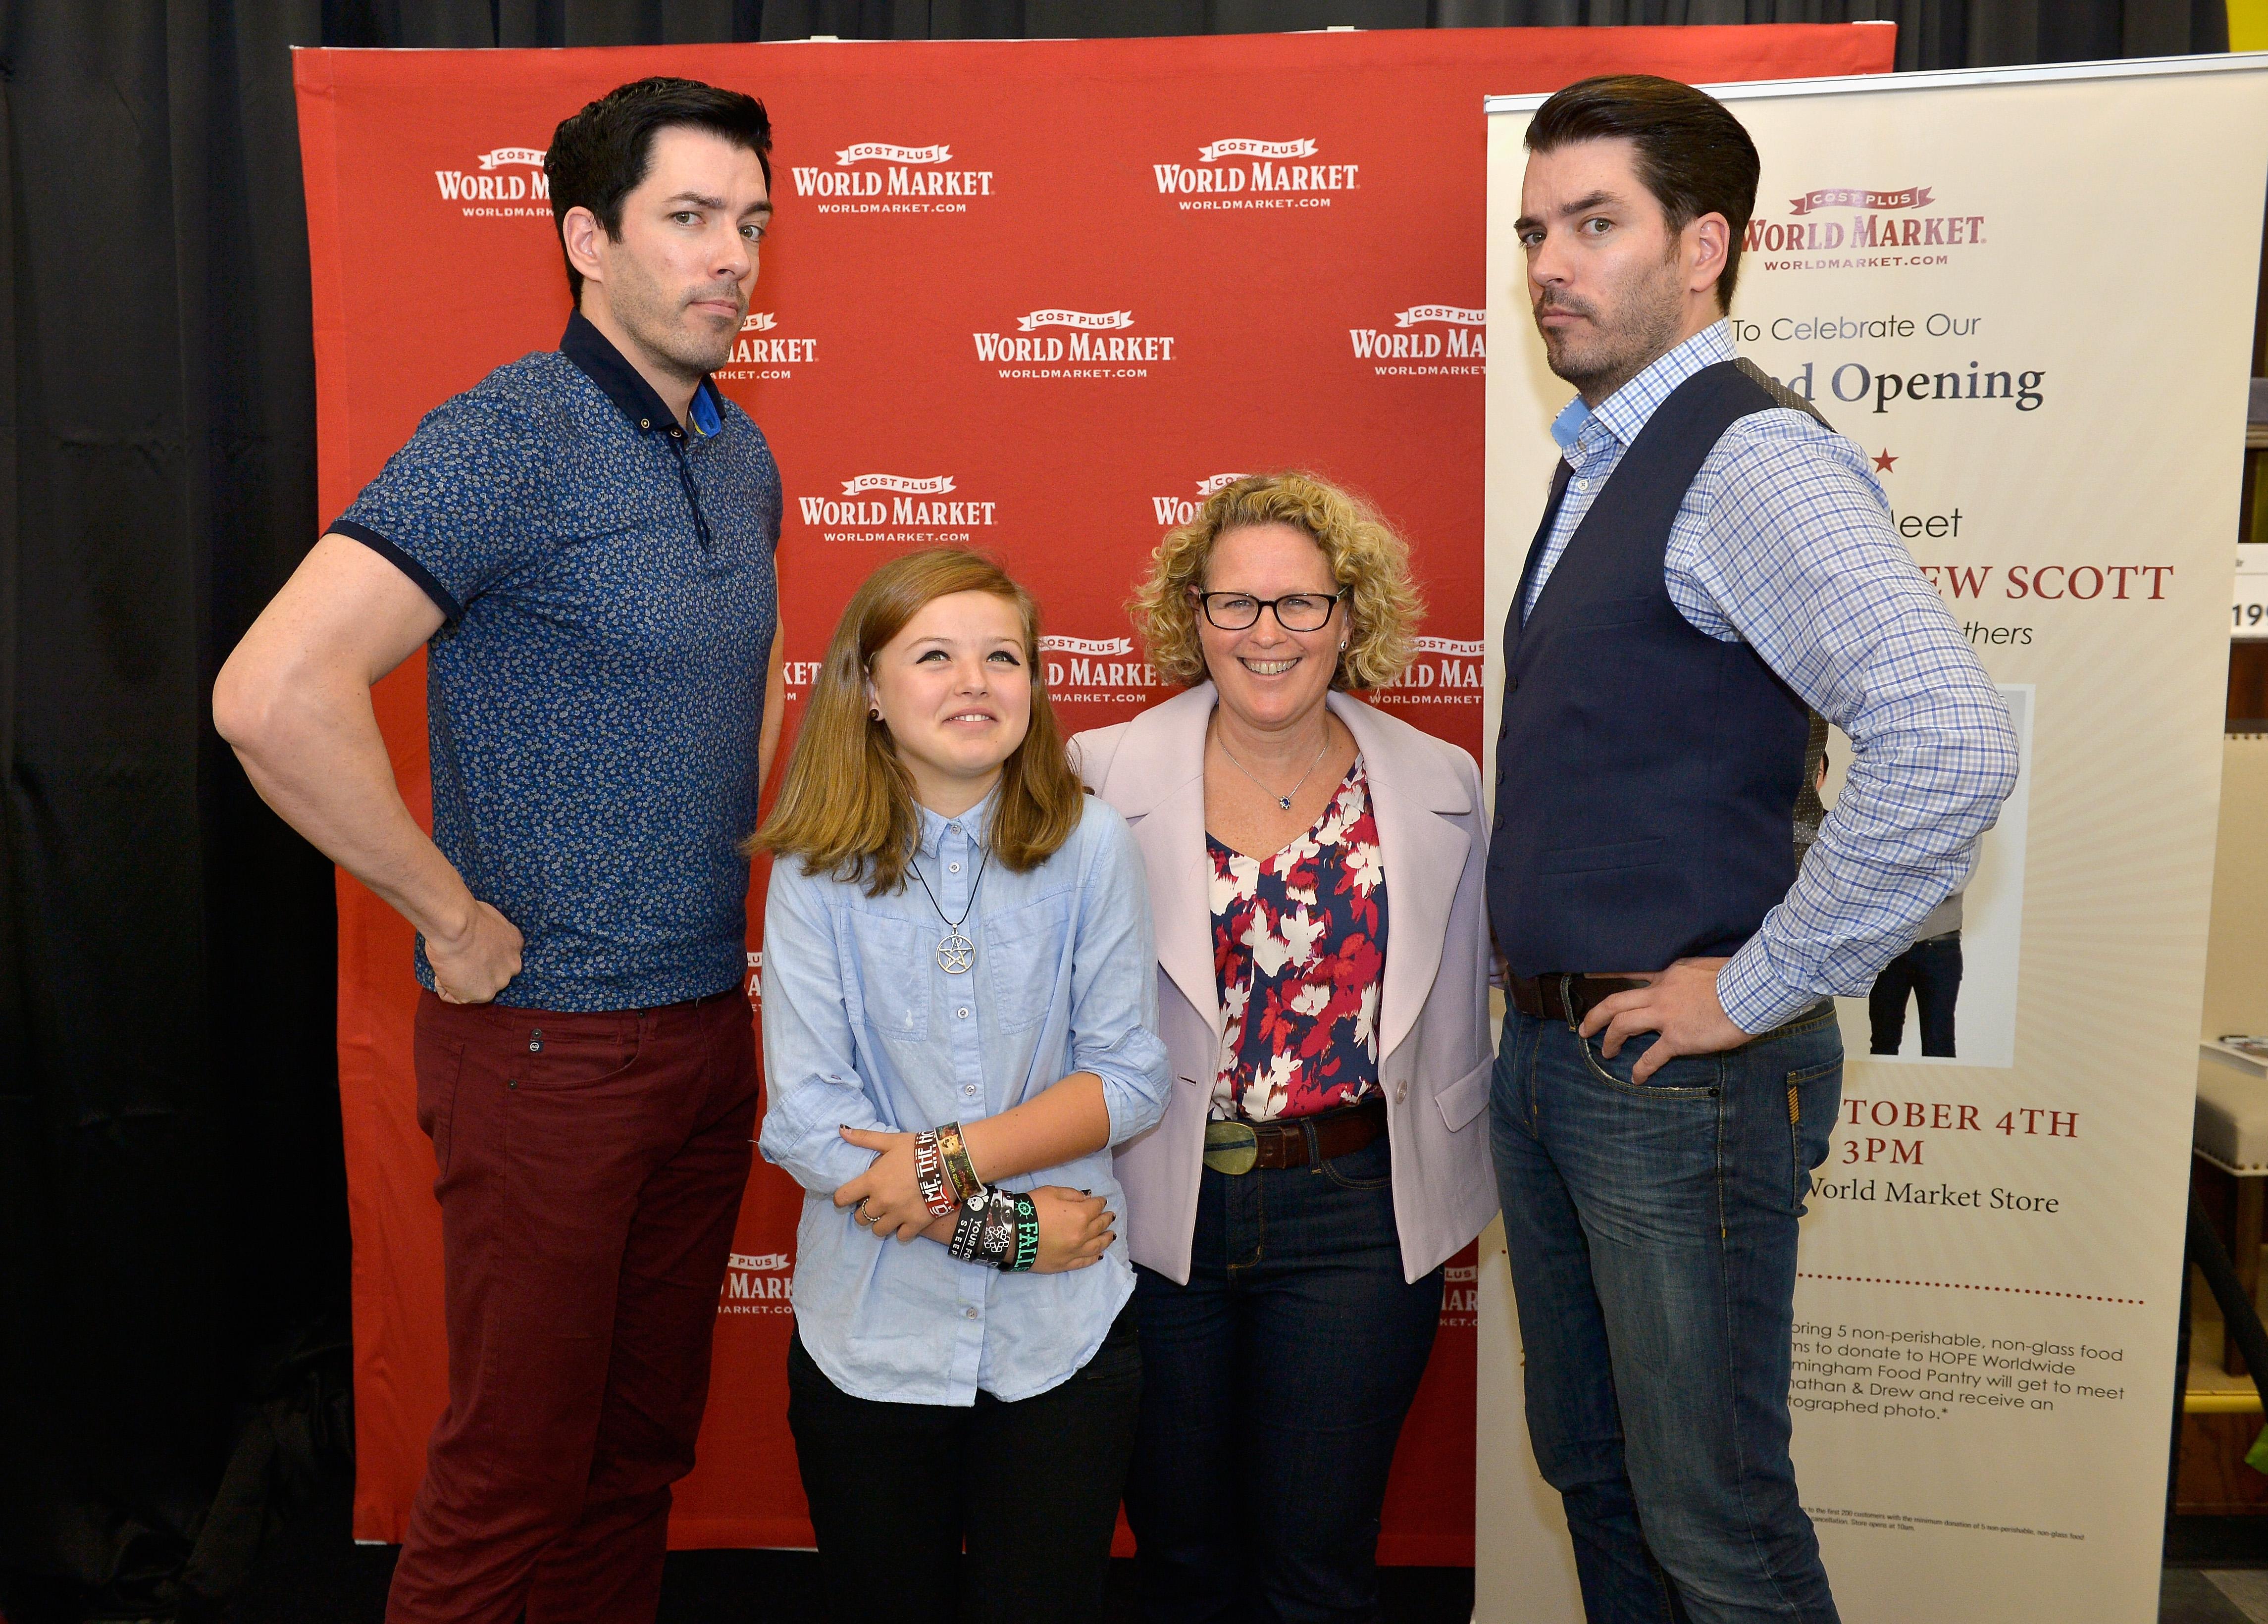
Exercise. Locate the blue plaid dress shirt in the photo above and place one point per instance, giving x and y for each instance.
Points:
(1784, 542)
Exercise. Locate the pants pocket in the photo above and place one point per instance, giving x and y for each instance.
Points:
(563, 1060)
(438, 1062)
(1368, 1168)
(1687, 1076)
(1814, 1098)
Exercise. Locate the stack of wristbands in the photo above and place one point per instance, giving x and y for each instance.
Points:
(997, 1228)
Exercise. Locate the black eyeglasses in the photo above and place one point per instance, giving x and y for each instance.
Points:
(1298, 612)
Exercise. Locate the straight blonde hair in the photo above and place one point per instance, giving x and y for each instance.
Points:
(846, 805)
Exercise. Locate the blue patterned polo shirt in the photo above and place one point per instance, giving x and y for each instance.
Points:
(596, 692)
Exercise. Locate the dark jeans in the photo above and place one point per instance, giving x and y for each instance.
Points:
(1030, 1489)
(1274, 1387)
(591, 1166)
(1651, 1232)
(1931, 971)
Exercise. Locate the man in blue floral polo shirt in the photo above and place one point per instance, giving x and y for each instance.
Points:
(584, 542)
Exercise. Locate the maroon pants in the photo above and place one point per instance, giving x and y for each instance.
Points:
(592, 1168)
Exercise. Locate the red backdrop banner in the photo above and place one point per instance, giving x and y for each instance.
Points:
(1034, 297)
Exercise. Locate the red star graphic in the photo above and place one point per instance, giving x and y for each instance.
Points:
(1883, 463)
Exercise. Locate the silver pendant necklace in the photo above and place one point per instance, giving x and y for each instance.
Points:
(1284, 801)
(955, 952)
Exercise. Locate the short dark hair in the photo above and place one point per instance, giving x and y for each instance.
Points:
(1692, 154)
(599, 157)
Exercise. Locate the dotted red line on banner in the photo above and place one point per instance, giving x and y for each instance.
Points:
(1957, 1285)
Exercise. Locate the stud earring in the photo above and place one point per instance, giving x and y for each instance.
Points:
(873, 714)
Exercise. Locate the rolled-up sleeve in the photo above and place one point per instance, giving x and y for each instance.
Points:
(1114, 1012)
(813, 1088)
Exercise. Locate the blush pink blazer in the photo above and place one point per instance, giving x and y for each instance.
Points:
(1433, 1038)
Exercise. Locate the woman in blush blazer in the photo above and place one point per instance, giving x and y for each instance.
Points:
(1316, 877)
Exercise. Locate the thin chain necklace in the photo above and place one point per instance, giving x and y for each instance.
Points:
(955, 952)
(1284, 801)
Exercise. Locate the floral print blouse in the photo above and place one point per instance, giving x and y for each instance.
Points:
(1298, 950)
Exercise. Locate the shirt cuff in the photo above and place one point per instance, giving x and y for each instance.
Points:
(1754, 998)
(451, 610)
(1134, 1081)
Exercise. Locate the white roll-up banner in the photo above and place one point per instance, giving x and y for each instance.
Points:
(2028, 295)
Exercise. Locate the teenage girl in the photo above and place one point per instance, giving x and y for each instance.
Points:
(958, 1015)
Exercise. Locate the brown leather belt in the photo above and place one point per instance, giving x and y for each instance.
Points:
(1562, 997)
(1285, 1144)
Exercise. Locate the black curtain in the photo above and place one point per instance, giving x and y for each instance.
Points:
(172, 1235)
(1931, 33)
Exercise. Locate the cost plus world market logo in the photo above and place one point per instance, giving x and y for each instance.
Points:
(1096, 344)
(1843, 228)
(1432, 339)
(494, 187)
(1183, 510)
(1096, 670)
(902, 180)
(1461, 1293)
(1264, 174)
(757, 352)
(918, 510)
(1445, 671)
(757, 1282)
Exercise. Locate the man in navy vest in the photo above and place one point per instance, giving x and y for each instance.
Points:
(1714, 566)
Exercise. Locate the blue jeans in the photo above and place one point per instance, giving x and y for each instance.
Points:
(1651, 1232)
(1274, 1387)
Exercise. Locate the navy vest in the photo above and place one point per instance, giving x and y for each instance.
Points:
(1647, 773)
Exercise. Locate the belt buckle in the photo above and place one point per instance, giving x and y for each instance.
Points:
(1231, 1147)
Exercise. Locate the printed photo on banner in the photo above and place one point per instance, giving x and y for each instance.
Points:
(1951, 997)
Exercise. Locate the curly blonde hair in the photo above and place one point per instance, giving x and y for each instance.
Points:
(1363, 554)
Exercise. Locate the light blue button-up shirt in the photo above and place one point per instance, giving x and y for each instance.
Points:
(1783, 542)
(863, 1027)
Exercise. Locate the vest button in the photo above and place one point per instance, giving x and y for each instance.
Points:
(1511, 685)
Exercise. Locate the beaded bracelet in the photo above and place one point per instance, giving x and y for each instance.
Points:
(960, 1172)
(929, 1174)
(1027, 1234)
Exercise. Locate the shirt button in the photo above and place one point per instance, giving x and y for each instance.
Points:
(1581, 484)
(963, 1013)
(969, 1089)
(953, 868)
(969, 1313)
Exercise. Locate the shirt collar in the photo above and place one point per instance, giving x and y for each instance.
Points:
(976, 822)
(623, 384)
(1623, 413)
